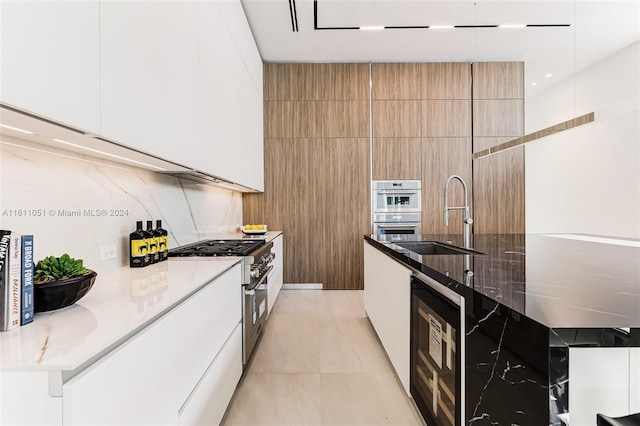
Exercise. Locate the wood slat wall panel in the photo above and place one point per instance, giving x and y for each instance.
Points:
(499, 192)
(498, 117)
(397, 158)
(396, 119)
(443, 157)
(342, 82)
(292, 119)
(498, 80)
(346, 211)
(348, 119)
(290, 82)
(395, 81)
(446, 118)
(445, 80)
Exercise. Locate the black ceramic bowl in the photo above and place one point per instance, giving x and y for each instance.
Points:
(61, 293)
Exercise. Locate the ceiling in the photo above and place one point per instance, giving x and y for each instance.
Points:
(596, 29)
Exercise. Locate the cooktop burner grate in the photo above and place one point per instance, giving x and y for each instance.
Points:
(218, 248)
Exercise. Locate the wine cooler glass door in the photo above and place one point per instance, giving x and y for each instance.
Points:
(435, 356)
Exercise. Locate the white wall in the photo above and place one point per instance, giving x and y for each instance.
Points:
(44, 181)
(586, 180)
(610, 83)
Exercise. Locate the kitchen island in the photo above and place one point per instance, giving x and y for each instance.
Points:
(552, 324)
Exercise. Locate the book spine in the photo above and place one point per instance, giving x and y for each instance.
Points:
(27, 279)
(5, 240)
(15, 279)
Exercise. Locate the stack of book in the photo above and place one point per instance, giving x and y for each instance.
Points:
(16, 280)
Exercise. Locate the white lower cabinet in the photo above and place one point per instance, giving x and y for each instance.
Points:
(276, 277)
(387, 302)
(210, 398)
(183, 368)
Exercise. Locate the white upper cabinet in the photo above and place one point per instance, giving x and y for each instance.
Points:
(230, 102)
(50, 60)
(183, 81)
(133, 66)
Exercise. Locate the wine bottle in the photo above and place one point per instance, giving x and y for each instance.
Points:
(153, 243)
(163, 241)
(138, 247)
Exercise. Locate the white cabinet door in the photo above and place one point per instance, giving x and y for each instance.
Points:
(50, 60)
(230, 103)
(387, 301)
(208, 402)
(150, 376)
(205, 322)
(276, 277)
(133, 74)
(128, 386)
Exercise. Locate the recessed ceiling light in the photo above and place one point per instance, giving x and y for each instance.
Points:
(108, 154)
(535, 83)
(548, 75)
(440, 27)
(512, 26)
(372, 28)
(16, 129)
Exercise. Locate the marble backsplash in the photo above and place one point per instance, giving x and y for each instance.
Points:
(77, 204)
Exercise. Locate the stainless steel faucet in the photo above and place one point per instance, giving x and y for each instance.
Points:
(467, 217)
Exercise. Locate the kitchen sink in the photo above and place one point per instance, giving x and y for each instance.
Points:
(434, 247)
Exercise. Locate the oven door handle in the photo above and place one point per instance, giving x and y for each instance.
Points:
(250, 290)
(397, 191)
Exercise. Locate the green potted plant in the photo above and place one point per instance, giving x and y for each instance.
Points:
(60, 282)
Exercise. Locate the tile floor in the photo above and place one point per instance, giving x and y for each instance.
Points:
(320, 363)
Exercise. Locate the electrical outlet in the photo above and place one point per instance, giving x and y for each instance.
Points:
(108, 252)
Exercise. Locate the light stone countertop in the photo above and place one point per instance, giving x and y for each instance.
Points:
(120, 303)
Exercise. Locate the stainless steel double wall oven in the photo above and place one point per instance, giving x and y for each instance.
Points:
(396, 209)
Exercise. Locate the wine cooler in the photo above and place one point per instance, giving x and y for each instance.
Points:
(436, 356)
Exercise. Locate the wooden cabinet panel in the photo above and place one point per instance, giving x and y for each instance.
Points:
(338, 82)
(290, 82)
(446, 118)
(324, 226)
(445, 80)
(399, 119)
(395, 81)
(292, 119)
(346, 209)
(397, 158)
(498, 80)
(348, 119)
(499, 193)
(498, 117)
(441, 158)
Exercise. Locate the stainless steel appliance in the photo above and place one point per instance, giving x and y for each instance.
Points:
(256, 264)
(397, 226)
(396, 208)
(389, 196)
(437, 353)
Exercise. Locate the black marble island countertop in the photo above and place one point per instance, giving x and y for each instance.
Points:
(562, 283)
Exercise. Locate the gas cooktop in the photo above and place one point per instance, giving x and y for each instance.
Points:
(217, 248)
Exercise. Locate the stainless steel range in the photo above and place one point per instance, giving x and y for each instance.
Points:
(256, 264)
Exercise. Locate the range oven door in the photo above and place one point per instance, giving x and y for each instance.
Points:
(436, 356)
(254, 314)
(397, 231)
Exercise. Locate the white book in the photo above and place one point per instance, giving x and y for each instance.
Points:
(15, 281)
